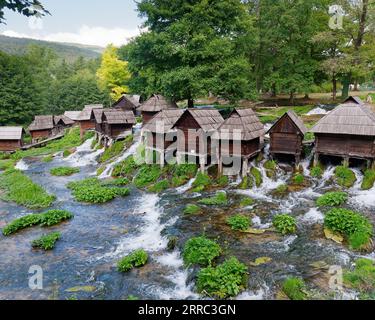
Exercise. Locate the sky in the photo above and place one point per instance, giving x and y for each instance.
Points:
(91, 22)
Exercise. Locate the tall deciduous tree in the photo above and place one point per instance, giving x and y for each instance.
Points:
(26, 7)
(113, 74)
(191, 48)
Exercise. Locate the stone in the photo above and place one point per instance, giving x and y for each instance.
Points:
(261, 260)
(81, 289)
(332, 236)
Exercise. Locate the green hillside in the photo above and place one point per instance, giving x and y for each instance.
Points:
(68, 51)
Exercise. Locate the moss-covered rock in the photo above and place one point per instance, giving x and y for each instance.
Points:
(246, 183)
(368, 180)
(257, 176)
(345, 177)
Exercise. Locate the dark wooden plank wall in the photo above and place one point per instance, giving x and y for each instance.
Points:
(10, 145)
(147, 116)
(114, 130)
(40, 134)
(345, 145)
(247, 147)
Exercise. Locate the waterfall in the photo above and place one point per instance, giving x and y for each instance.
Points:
(84, 155)
(21, 165)
(185, 187)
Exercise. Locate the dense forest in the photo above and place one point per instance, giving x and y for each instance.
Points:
(232, 49)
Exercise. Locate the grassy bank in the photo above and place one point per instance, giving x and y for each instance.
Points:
(22, 190)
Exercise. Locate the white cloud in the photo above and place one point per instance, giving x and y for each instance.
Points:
(98, 36)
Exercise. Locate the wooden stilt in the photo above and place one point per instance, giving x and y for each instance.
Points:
(162, 159)
(316, 159)
(245, 167)
(346, 162)
(202, 163)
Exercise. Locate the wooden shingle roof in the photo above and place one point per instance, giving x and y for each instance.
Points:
(350, 119)
(245, 122)
(118, 117)
(11, 133)
(42, 123)
(157, 103)
(353, 99)
(73, 115)
(163, 121)
(207, 119)
(87, 111)
(64, 119)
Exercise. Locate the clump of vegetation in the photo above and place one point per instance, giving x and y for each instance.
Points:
(136, 259)
(220, 199)
(64, 171)
(125, 168)
(246, 201)
(159, 186)
(201, 182)
(284, 223)
(316, 172)
(182, 173)
(355, 227)
(48, 158)
(345, 177)
(67, 153)
(281, 189)
(246, 183)
(222, 181)
(147, 175)
(298, 179)
(362, 278)
(45, 219)
(192, 209)
(332, 199)
(113, 151)
(201, 251)
(368, 180)
(91, 190)
(23, 191)
(46, 242)
(239, 222)
(257, 176)
(270, 165)
(226, 280)
(7, 164)
(295, 288)
(116, 182)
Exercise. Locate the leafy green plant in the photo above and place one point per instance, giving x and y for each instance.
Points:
(46, 219)
(192, 209)
(48, 158)
(239, 222)
(362, 278)
(116, 182)
(226, 280)
(7, 164)
(368, 180)
(294, 288)
(316, 172)
(332, 199)
(200, 250)
(284, 223)
(201, 182)
(246, 183)
(257, 176)
(345, 177)
(246, 201)
(125, 168)
(353, 225)
(147, 175)
(64, 171)
(220, 199)
(298, 179)
(46, 242)
(270, 165)
(66, 153)
(113, 151)
(222, 181)
(159, 186)
(136, 259)
(23, 191)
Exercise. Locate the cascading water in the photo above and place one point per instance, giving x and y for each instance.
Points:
(22, 165)
(84, 155)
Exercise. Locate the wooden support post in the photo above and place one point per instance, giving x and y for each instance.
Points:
(346, 162)
(220, 166)
(179, 158)
(373, 164)
(162, 159)
(368, 164)
(316, 159)
(202, 163)
(245, 167)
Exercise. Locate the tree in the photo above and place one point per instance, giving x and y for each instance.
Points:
(28, 8)
(113, 74)
(191, 49)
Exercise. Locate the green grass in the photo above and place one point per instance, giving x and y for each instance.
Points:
(298, 179)
(201, 182)
(362, 278)
(270, 165)
(354, 226)
(23, 191)
(246, 183)
(46, 242)
(294, 288)
(226, 280)
(7, 164)
(201, 251)
(332, 199)
(368, 180)
(46, 219)
(316, 172)
(113, 151)
(220, 199)
(64, 171)
(136, 259)
(284, 223)
(92, 190)
(192, 209)
(125, 168)
(147, 175)
(257, 176)
(159, 186)
(345, 177)
(246, 201)
(71, 140)
(48, 158)
(239, 222)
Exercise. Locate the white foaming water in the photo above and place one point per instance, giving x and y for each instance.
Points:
(185, 187)
(259, 294)
(22, 165)
(313, 216)
(359, 197)
(84, 155)
(257, 222)
(289, 241)
(327, 174)
(316, 111)
(129, 152)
